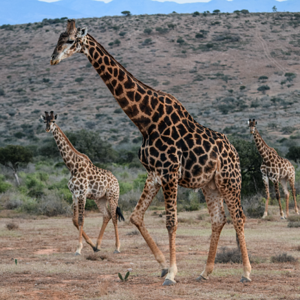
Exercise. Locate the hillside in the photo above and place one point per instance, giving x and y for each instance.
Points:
(213, 64)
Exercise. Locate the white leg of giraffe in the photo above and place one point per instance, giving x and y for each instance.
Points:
(137, 218)
(215, 207)
(266, 183)
(286, 193)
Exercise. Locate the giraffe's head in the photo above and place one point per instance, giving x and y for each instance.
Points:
(69, 42)
(49, 120)
(251, 125)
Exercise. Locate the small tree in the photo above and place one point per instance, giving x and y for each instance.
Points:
(294, 153)
(12, 156)
(263, 88)
(180, 41)
(245, 11)
(216, 11)
(274, 8)
(126, 13)
(147, 30)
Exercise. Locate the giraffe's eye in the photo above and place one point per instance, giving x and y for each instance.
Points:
(70, 42)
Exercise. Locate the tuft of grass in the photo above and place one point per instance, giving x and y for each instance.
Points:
(294, 218)
(269, 218)
(227, 255)
(95, 257)
(293, 224)
(12, 226)
(282, 258)
(230, 256)
(134, 232)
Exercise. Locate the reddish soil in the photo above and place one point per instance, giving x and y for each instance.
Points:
(48, 269)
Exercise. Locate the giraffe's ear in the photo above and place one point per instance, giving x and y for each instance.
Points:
(248, 122)
(42, 118)
(256, 123)
(82, 32)
(55, 117)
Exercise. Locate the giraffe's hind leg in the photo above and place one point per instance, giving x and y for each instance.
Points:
(113, 201)
(266, 184)
(101, 204)
(233, 203)
(75, 222)
(218, 219)
(286, 193)
(276, 184)
(292, 185)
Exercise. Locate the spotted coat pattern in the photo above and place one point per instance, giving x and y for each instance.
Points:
(87, 181)
(176, 150)
(276, 169)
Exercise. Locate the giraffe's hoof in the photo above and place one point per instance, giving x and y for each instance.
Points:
(117, 252)
(169, 282)
(201, 278)
(77, 253)
(96, 249)
(297, 212)
(244, 279)
(282, 218)
(164, 272)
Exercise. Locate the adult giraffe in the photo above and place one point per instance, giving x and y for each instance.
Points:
(276, 169)
(175, 150)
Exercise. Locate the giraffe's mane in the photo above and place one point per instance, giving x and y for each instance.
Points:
(265, 144)
(127, 72)
(70, 144)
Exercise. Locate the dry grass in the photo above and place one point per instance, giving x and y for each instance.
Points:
(60, 274)
(12, 226)
(283, 258)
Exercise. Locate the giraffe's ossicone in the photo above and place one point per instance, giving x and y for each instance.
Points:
(276, 169)
(87, 181)
(176, 150)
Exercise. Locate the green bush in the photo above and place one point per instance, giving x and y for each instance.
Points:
(125, 187)
(139, 182)
(4, 186)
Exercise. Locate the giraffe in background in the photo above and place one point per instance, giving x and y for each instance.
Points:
(87, 181)
(276, 169)
(176, 150)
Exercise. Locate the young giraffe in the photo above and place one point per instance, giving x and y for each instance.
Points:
(176, 150)
(87, 181)
(275, 168)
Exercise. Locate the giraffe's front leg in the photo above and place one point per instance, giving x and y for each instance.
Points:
(137, 218)
(170, 185)
(81, 204)
(75, 222)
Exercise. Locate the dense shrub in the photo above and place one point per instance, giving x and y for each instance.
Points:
(283, 258)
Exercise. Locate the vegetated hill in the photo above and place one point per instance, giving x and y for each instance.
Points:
(213, 64)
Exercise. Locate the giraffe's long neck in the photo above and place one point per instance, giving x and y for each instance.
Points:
(262, 146)
(134, 97)
(67, 151)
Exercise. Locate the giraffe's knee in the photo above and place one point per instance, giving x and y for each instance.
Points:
(136, 220)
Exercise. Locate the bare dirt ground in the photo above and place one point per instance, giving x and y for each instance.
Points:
(48, 269)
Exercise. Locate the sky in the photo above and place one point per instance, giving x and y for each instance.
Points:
(177, 1)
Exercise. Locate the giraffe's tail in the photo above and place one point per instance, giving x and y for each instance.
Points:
(119, 214)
